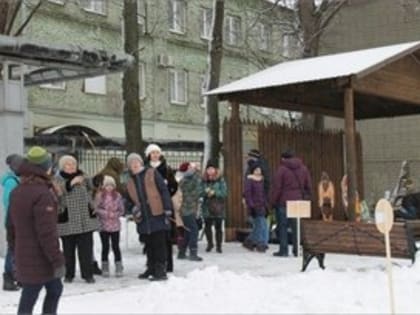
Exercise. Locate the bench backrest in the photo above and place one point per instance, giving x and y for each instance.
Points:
(363, 239)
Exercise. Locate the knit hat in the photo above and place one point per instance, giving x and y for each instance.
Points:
(14, 161)
(39, 157)
(65, 159)
(254, 153)
(184, 167)
(134, 156)
(287, 154)
(152, 147)
(109, 181)
(211, 163)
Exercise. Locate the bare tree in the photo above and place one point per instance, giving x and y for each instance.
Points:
(9, 10)
(130, 82)
(212, 143)
(313, 18)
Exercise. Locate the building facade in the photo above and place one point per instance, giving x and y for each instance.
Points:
(173, 49)
(386, 142)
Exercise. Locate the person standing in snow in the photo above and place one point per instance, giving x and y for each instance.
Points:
(155, 159)
(109, 207)
(9, 181)
(152, 210)
(190, 186)
(292, 181)
(33, 235)
(214, 193)
(256, 201)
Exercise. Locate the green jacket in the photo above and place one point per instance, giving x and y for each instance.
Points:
(214, 193)
(191, 192)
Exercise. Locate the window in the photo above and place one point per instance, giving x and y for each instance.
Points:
(95, 6)
(96, 85)
(178, 86)
(233, 30)
(206, 22)
(177, 16)
(142, 81)
(54, 86)
(56, 1)
(286, 45)
(203, 89)
(264, 36)
(141, 15)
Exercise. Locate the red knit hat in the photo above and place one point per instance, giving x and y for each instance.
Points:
(184, 167)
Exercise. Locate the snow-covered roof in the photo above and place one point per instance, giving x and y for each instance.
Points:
(355, 63)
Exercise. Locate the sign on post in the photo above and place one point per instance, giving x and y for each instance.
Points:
(298, 209)
(384, 219)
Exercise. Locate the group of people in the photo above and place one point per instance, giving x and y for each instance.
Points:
(43, 206)
(292, 181)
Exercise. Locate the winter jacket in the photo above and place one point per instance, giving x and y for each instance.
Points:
(154, 199)
(76, 215)
(166, 172)
(32, 227)
(265, 170)
(291, 182)
(213, 206)
(9, 181)
(255, 196)
(191, 191)
(109, 207)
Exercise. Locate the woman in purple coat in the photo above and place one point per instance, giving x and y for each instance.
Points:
(256, 201)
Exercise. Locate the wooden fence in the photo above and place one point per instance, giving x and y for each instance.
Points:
(320, 151)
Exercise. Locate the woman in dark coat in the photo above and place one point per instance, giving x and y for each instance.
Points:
(155, 159)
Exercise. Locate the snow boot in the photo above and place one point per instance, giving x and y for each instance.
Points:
(248, 245)
(105, 269)
(9, 283)
(95, 268)
(181, 253)
(119, 269)
(219, 237)
(194, 256)
(209, 236)
(159, 273)
(146, 274)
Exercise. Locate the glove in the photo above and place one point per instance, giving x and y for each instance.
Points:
(136, 214)
(60, 272)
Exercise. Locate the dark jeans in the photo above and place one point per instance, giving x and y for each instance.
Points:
(217, 222)
(282, 225)
(114, 237)
(156, 251)
(30, 294)
(191, 235)
(8, 262)
(84, 244)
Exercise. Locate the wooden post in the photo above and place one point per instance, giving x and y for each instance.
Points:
(232, 145)
(350, 136)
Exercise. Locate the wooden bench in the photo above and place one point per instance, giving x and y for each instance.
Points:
(353, 238)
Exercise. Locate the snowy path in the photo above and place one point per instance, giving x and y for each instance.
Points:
(242, 282)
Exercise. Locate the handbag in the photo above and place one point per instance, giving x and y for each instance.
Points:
(216, 206)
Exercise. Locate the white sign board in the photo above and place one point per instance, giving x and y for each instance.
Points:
(298, 209)
(384, 216)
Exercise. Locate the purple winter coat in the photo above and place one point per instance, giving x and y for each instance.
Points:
(255, 196)
(285, 184)
(109, 208)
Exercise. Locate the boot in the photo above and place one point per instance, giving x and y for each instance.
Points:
(209, 237)
(105, 269)
(194, 256)
(119, 269)
(181, 253)
(248, 244)
(219, 237)
(9, 283)
(95, 268)
(159, 273)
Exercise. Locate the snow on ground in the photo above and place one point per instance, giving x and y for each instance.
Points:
(239, 281)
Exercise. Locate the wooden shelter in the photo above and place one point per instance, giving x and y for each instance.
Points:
(364, 84)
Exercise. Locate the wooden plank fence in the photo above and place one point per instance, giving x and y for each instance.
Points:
(320, 151)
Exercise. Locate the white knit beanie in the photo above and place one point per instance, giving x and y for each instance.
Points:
(152, 147)
(64, 159)
(134, 156)
(108, 181)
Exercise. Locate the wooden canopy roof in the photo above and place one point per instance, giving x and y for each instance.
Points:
(386, 83)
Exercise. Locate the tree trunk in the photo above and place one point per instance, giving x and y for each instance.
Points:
(130, 83)
(212, 144)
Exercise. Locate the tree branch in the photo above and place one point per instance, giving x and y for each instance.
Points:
(28, 18)
(333, 12)
(12, 20)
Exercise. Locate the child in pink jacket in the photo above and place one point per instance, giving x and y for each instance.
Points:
(109, 209)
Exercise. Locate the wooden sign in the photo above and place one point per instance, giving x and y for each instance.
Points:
(298, 209)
